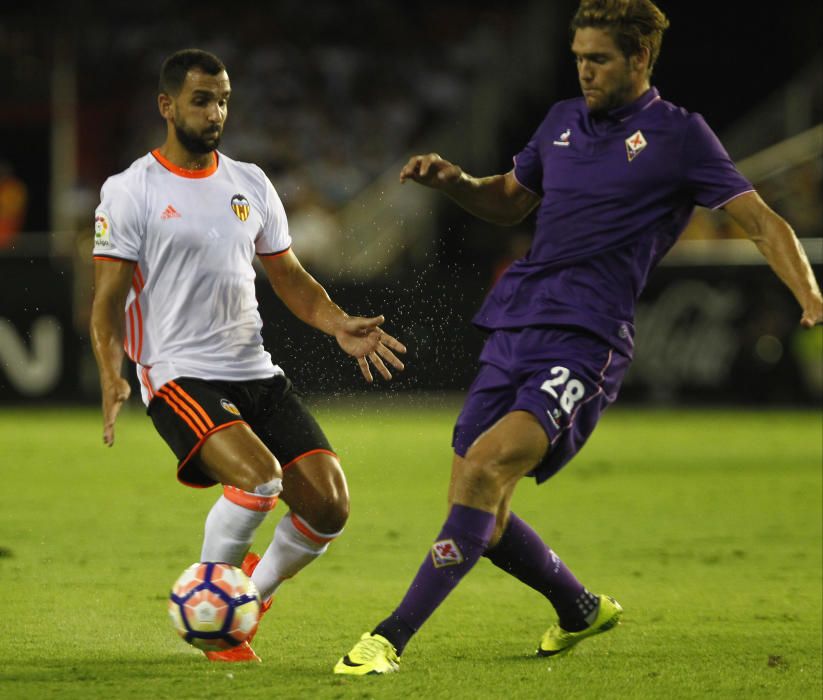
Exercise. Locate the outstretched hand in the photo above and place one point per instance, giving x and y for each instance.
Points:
(363, 339)
(431, 170)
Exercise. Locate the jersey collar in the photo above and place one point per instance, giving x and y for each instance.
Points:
(621, 114)
(185, 172)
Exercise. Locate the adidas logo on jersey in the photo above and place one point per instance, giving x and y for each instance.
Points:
(170, 213)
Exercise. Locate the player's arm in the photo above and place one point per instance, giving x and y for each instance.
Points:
(777, 242)
(500, 199)
(112, 280)
(362, 338)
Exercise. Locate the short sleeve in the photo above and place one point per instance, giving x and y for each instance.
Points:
(709, 171)
(528, 166)
(118, 229)
(274, 237)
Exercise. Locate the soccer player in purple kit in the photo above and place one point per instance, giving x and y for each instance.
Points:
(614, 176)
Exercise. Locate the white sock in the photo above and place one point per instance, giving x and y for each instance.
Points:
(295, 545)
(233, 520)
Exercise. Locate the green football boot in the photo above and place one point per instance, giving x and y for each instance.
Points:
(556, 640)
(373, 654)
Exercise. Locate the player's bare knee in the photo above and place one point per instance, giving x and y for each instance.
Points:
(327, 512)
(331, 517)
(257, 471)
(503, 461)
(338, 511)
(481, 472)
(316, 490)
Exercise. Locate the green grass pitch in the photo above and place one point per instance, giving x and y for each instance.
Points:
(706, 526)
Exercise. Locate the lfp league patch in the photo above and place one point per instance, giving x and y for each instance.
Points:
(102, 231)
(446, 553)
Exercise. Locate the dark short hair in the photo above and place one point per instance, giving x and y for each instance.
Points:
(176, 67)
(633, 24)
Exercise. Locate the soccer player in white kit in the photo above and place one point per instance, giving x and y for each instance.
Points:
(175, 239)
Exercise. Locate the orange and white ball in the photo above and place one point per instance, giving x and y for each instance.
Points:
(214, 606)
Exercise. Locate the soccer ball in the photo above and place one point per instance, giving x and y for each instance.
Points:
(214, 606)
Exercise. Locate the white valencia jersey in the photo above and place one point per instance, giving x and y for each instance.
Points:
(192, 309)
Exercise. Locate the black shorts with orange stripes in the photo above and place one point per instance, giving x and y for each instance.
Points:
(186, 411)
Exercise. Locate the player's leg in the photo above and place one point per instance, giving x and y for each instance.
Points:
(568, 394)
(314, 487)
(467, 529)
(205, 429)
(482, 481)
(480, 484)
(549, 397)
(214, 445)
(518, 550)
(252, 481)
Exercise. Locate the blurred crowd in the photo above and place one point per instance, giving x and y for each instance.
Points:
(13, 204)
(324, 100)
(327, 97)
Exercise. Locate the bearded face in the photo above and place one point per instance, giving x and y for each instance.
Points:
(194, 140)
(198, 113)
(608, 79)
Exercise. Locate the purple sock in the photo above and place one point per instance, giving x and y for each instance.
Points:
(521, 553)
(461, 542)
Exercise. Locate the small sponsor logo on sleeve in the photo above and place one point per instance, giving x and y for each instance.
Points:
(102, 232)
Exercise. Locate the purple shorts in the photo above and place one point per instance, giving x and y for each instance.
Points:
(563, 376)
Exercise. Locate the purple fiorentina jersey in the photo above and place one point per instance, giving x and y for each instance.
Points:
(616, 193)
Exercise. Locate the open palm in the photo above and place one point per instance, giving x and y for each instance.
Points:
(363, 339)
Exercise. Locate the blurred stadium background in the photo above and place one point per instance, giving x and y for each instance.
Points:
(330, 98)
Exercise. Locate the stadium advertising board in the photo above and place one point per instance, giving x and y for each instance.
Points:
(705, 334)
(723, 334)
(38, 344)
